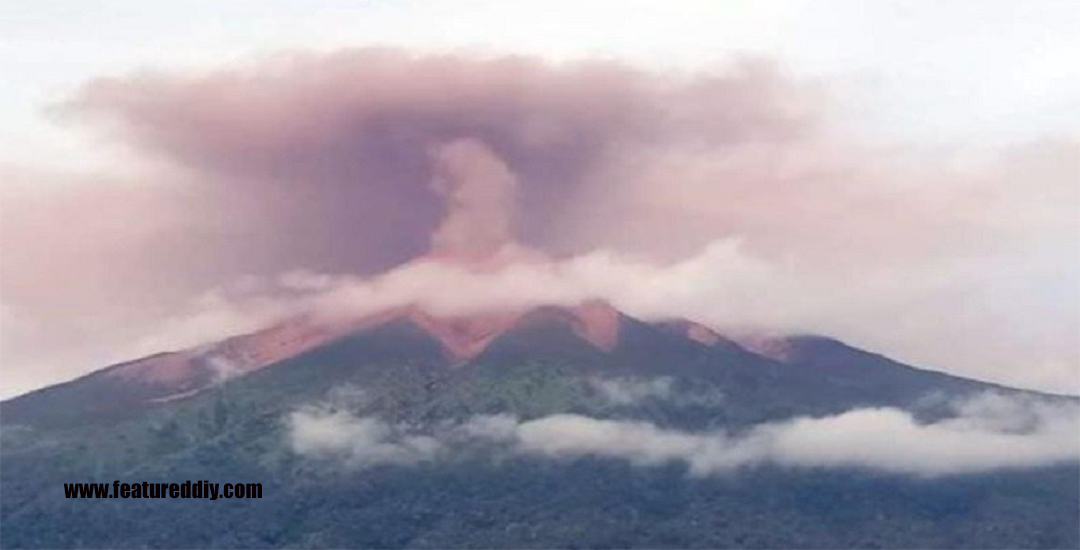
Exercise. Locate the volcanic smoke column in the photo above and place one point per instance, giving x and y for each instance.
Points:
(479, 190)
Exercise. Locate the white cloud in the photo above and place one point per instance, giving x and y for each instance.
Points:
(358, 441)
(989, 432)
(627, 391)
(985, 436)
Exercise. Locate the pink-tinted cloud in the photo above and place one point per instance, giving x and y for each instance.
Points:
(352, 162)
(479, 191)
(337, 146)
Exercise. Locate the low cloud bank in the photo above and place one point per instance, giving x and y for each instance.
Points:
(989, 432)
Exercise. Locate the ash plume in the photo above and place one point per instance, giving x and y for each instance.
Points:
(479, 190)
(348, 163)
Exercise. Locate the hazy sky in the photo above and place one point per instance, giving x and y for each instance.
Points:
(923, 152)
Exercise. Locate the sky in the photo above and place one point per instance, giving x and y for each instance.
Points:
(900, 175)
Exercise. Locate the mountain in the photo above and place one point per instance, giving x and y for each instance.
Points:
(394, 403)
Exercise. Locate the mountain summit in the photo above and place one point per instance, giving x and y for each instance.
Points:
(554, 426)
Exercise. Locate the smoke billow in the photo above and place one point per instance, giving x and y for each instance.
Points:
(343, 148)
(479, 190)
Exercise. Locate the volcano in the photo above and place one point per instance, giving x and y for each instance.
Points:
(236, 410)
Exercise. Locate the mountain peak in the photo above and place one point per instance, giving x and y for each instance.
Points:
(462, 338)
(465, 337)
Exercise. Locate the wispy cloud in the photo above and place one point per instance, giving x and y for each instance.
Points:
(356, 441)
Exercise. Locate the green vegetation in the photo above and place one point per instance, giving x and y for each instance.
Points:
(237, 432)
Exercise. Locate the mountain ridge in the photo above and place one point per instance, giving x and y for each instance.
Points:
(377, 396)
(602, 333)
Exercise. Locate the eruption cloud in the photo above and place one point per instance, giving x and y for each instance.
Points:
(734, 196)
(479, 190)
